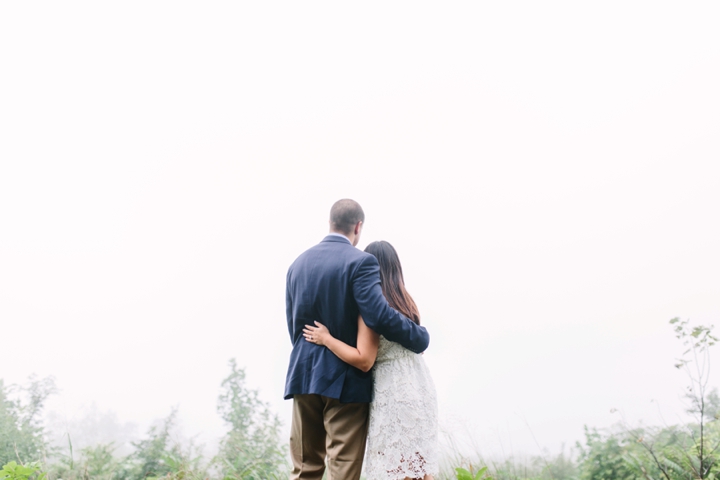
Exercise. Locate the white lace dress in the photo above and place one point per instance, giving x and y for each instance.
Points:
(402, 436)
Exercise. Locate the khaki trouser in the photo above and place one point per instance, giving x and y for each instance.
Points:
(321, 427)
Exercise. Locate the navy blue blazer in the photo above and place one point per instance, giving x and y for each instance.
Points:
(332, 283)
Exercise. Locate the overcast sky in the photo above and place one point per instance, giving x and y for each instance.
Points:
(549, 173)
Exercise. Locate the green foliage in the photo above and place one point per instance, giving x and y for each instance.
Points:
(607, 457)
(668, 453)
(463, 474)
(21, 434)
(697, 339)
(556, 467)
(684, 452)
(251, 449)
(96, 462)
(559, 467)
(544, 467)
(678, 452)
(13, 471)
(184, 467)
(156, 456)
(149, 458)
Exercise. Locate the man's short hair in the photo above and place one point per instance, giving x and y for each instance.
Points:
(345, 214)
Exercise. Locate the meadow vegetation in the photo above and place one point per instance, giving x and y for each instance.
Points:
(253, 449)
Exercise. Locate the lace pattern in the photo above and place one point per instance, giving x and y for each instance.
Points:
(402, 436)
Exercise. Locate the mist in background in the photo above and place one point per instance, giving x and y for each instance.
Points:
(549, 174)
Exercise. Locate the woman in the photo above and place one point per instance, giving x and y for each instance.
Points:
(402, 435)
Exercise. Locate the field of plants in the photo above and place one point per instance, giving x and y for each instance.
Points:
(253, 449)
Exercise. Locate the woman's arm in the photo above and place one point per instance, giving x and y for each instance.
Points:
(362, 357)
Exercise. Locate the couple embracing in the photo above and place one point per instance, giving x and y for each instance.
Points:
(358, 385)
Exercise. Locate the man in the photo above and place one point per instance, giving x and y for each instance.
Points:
(333, 283)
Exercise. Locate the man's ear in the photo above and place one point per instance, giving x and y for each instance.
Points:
(358, 227)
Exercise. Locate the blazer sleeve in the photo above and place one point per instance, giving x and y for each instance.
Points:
(377, 313)
(289, 309)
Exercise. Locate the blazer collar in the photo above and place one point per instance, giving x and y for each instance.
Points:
(337, 238)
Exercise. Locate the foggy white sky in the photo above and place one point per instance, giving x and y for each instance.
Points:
(548, 172)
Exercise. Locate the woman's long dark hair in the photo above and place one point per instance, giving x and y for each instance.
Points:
(392, 281)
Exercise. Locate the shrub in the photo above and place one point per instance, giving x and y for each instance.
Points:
(22, 437)
(251, 449)
(13, 471)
